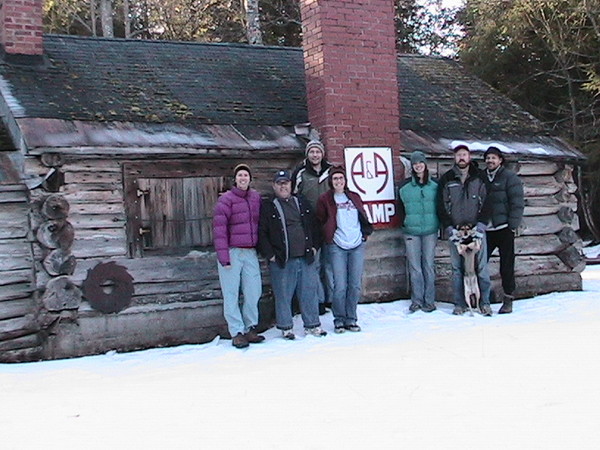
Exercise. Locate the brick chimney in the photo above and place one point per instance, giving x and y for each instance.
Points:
(21, 27)
(351, 74)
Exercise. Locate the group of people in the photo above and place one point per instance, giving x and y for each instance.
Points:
(489, 202)
(312, 232)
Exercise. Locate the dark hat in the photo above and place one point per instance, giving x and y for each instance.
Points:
(461, 147)
(239, 167)
(281, 175)
(333, 171)
(493, 151)
(417, 157)
(315, 144)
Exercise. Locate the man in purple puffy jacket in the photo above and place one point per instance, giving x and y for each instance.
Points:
(235, 234)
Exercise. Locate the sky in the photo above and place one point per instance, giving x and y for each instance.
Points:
(530, 379)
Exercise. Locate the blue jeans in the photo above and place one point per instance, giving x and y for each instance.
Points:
(420, 252)
(325, 276)
(483, 275)
(245, 269)
(347, 268)
(296, 277)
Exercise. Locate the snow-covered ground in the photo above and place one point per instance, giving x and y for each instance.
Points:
(526, 380)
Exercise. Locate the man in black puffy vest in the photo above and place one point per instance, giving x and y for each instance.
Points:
(505, 195)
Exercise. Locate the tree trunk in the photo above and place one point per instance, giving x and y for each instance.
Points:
(253, 32)
(106, 14)
(126, 21)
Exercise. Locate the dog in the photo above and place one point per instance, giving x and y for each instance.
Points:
(468, 242)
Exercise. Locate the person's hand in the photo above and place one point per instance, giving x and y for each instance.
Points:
(227, 266)
(481, 227)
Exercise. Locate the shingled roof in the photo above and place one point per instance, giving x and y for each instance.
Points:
(197, 85)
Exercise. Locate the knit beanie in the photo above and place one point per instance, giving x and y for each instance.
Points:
(241, 167)
(417, 157)
(315, 144)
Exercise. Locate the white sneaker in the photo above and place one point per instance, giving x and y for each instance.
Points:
(316, 331)
(288, 334)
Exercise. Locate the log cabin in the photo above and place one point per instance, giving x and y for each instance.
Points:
(113, 152)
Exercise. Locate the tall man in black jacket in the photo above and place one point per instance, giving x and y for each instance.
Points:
(505, 192)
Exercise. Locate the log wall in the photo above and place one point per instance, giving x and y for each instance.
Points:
(19, 328)
(177, 299)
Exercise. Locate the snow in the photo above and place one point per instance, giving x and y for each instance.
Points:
(523, 380)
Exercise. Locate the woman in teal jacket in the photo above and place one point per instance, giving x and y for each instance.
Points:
(420, 225)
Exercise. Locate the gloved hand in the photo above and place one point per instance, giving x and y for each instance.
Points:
(481, 227)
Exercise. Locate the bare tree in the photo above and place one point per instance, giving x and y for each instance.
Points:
(253, 30)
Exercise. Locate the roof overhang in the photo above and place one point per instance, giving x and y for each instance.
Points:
(130, 138)
(530, 147)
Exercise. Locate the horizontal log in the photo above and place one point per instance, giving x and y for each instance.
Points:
(19, 326)
(99, 248)
(97, 220)
(13, 197)
(97, 208)
(14, 291)
(14, 256)
(16, 308)
(158, 269)
(537, 168)
(541, 225)
(14, 232)
(16, 276)
(114, 178)
(93, 196)
(203, 285)
(22, 355)
(93, 165)
(23, 342)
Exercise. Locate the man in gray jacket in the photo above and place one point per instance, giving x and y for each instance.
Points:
(462, 203)
(310, 181)
(505, 193)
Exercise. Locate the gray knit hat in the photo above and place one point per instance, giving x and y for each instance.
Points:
(417, 157)
(315, 144)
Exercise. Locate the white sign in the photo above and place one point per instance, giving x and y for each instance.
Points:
(371, 174)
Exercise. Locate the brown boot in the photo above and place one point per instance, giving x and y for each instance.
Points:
(239, 341)
(253, 337)
(506, 307)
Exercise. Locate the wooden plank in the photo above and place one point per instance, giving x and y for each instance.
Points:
(14, 255)
(541, 225)
(96, 208)
(13, 197)
(15, 291)
(159, 269)
(94, 196)
(23, 342)
(19, 326)
(16, 308)
(538, 186)
(93, 165)
(536, 168)
(16, 276)
(93, 177)
(97, 221)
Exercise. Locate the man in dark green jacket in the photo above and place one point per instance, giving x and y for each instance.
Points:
(506, 200)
